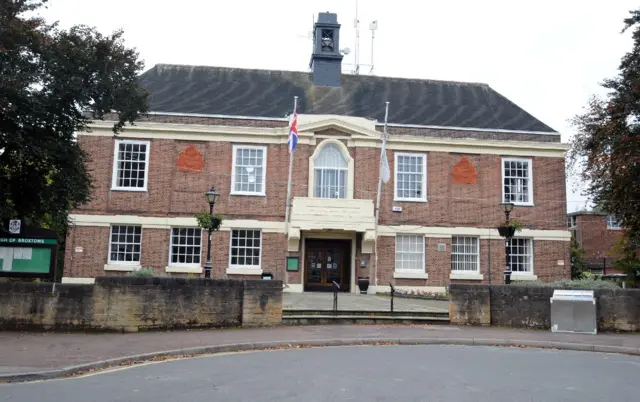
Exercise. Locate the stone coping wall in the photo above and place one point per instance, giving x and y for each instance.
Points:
(131, 304)
(530, 307)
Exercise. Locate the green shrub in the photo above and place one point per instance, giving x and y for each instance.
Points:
(147, 272)
(591, 283)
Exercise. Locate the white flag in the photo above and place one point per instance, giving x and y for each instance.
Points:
(385, 173)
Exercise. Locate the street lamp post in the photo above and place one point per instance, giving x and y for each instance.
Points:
(507, 207)
(212, 196)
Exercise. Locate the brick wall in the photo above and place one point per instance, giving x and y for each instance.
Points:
(94, 242)
(530, 307)
(175, 193)
(592, 235)
(132, 304)
(546, 255)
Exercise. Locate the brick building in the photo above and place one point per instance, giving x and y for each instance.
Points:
(596, 233)
(456, 151)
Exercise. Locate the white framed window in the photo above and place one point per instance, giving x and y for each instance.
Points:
(613, 223)
(125, 244)
(249, 170)
(246, 249)
(130, 165)
(410, 254)
(521, 255)
(465, 254)
(517, 181)
(330, 171)
(571, 222)
(186, 247)
(411, 177)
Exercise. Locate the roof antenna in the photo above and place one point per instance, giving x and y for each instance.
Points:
(373, 26)
(356, 48)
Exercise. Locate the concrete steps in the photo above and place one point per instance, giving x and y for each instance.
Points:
(324, 317)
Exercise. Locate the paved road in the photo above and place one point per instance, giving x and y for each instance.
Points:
(396, 373)
(349, 301)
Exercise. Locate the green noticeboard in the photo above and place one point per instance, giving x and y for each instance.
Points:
(293, 264)
(25, 259)
(27, 256)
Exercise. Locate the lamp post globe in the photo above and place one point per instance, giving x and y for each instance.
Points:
(212, 196)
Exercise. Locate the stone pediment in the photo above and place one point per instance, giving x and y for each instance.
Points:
(337, 126)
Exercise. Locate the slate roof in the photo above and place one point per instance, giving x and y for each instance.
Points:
(265, 93)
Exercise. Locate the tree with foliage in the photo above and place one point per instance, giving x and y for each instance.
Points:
(578, 263)
(606, 149)
(53, 83)
(625, 253)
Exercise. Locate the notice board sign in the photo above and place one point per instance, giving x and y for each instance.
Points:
(31, 253)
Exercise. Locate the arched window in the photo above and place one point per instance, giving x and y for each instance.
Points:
(330, 170)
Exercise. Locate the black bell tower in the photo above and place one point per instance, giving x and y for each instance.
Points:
(326, 60)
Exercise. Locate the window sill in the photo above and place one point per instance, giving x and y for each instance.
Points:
(183, 269)
(466, 276)
(523, 277)
(122, 267)
(524, 204)
(410, 275)
(133, 190)
(244, 271)
(409, 200)
(248, 194)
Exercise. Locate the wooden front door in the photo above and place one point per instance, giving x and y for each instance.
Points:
(327, 261)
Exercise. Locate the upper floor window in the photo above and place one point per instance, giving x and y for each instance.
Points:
(330, 170)
(249, 170)
(517, 181)
(613, 223)
(130, 165)
(411, 177)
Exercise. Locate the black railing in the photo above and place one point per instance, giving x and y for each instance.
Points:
(393, 291)
(336, 288)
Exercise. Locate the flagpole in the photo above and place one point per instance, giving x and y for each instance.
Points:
(378, 196)
(287, 201)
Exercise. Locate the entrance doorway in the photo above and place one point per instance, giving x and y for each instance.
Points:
(327, 261)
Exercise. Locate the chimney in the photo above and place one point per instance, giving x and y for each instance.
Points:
(326, 60)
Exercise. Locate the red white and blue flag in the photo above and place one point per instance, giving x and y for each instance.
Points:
(293, 133)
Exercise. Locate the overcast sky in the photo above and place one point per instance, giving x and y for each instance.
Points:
(547, 56)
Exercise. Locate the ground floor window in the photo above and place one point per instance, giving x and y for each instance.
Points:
(125, 244)
(186, 246)
(410, 253)
(521, 255)
(246, 247)
(465, 254)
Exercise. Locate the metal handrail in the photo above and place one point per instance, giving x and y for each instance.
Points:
(393, 291)
(336, 287)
